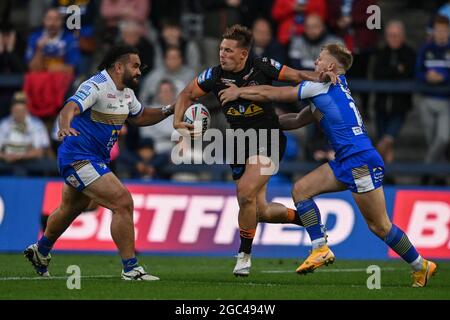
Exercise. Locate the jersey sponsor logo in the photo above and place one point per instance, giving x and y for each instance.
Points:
(127, 96)
(249, 111)
(253, 110)
(82, 95)
(110, 106)
(357, 131)
(177, 218)
(275, 64)
(233, 112)
(226, 81)
(425, 217)
(73, 181)
(111, 96)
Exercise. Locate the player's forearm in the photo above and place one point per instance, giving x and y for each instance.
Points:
(303, 75)
(289, 121)
(151, 116)
(258, 93)
(67, 114)
(292, 121)
(183, 102)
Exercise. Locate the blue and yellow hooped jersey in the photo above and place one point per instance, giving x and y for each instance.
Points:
(103, 111)
(334, 108)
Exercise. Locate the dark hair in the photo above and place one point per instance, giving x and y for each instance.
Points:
(341, 53)
(6, 27)
(167, 81)
(116, 53)
(441, 20)
(239, 33)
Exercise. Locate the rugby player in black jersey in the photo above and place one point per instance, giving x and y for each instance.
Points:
(237, 67)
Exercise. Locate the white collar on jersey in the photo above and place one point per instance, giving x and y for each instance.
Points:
(109, 79)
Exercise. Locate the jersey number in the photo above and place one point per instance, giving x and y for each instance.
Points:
(353, 106)
(357, 114)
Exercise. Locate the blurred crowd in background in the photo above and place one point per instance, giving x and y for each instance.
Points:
(42, 62)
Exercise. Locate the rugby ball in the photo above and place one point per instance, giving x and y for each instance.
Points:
(198, 115)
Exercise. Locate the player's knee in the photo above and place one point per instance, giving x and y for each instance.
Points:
(299, 191)
(379, 229)
(124, 203)
(246, 196)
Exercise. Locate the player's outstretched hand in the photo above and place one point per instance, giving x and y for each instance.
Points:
(67, 132)
(329, 76)
(229, 94)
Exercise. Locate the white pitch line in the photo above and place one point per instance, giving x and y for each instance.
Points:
(331, 270)
(56, 278)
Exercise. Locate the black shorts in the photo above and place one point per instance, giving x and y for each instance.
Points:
(243, 151)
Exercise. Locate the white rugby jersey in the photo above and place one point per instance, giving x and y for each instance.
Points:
(104, 110)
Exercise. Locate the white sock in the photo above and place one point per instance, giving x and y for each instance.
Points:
(417, 264)
(320, 242)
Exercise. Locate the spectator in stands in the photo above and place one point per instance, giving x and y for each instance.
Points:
(114, 11)
(348, 20)
(131, 34)
(302, 54)
(291, 15)
(444, 10)
(52, 48)
(433, 68)
(86, 34)
(161, 132)
(146, 163)
(171, 36)
(264, 45)
(395, 61)
(304, 49)
(11, 62)
(36, 11)
(23, 140)
(173, 69)
(218, 16)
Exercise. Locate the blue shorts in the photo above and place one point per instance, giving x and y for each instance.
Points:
(361, 172)
(81, 173)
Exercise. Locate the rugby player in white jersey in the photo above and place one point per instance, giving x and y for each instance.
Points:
(89, 127)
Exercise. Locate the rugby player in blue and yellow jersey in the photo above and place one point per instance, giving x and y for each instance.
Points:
(357, 166)
(89, 124)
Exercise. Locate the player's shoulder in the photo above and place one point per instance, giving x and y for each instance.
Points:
(97, 81)
(262, 62)
(311, 89)
(208, 74)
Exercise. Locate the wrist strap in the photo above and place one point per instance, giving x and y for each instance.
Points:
(166, 110)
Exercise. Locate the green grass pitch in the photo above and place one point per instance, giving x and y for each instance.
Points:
(211, 278)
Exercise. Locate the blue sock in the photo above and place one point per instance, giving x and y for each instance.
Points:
(309, 215)
(129, 264)
(45, 245)
(398, 241)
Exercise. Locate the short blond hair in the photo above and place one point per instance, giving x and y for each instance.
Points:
(341, 54)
